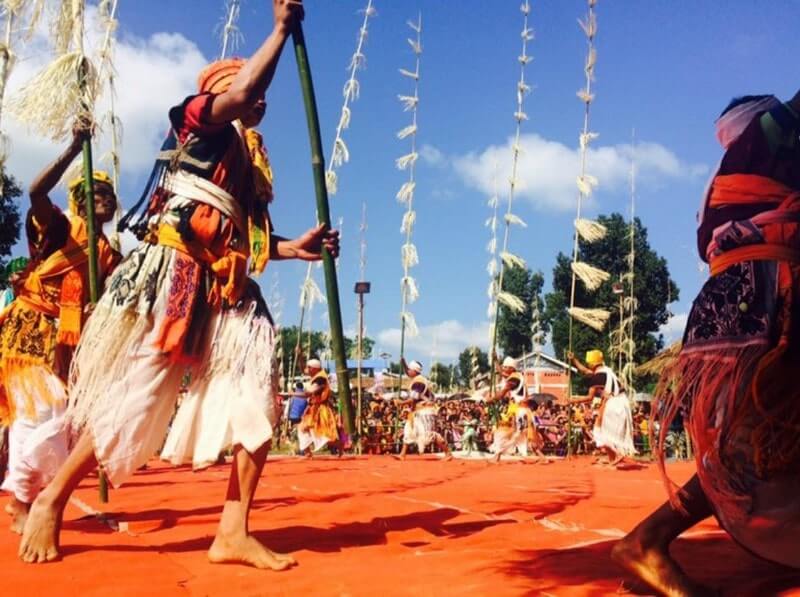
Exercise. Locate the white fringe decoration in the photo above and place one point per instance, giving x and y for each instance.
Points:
(594, 318)
(231, 34)
(511, 260)
(409, 256)
(508, 259)
(340, 154)
(590, 231)
(591, 276)
(56, 97)
(406, 161)
(511, 301)
(406, 192)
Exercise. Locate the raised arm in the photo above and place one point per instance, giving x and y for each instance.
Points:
(307, 247)
(47, 179)
(255, 77)
(584, 370)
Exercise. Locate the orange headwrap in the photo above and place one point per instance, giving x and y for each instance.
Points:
(218, 76)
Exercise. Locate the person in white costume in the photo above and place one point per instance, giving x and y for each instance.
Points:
(613, 428)
(183, 298)
(420, 425)
(515, 431)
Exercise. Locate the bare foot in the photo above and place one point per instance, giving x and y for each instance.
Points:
(19, 514)
(654, 566)
(40, 536)
(246, 549)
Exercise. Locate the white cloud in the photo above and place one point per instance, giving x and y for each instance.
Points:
(673, 329)
(153, 74)
(547, 169)
(443, 341)
(432, 156)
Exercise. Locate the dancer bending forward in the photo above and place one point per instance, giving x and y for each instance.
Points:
(516, 429)
(420, 426)
(183, 296)
(735, 379)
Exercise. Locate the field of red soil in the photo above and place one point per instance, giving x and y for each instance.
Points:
(377, 526)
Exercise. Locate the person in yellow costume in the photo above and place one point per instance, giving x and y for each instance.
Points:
(516, 429)
(318, 426)
(41, 327)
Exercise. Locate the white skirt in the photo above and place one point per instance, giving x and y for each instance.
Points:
(616, 429)
(124, 390)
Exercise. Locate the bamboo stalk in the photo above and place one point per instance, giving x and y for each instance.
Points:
(324, 217)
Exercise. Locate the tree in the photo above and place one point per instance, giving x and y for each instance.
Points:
(351, 347)
(514, 335)
(289, 341)
(443, 375)
(653, 288)
(469, 359)
(9, 223)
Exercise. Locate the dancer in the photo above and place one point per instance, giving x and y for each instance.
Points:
(181, 297)
(40, 329)
(318, 427)
(516, 428)
(734, 379)
(613, 427)
(420, 426)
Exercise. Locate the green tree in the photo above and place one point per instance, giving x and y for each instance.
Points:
(466, 364)
(289, 341)
(9, 223)
(653, 287)
(443, 375)
(514, 335)
(351, 347)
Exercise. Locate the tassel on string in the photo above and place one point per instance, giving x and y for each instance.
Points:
(590, 231)
(511, 301)
(592, 277)
(511, 260)
(410, 257)
(594, 318)
(406, 192)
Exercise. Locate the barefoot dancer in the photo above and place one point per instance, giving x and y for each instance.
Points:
(420, 427)
(40, 329)
(183, 296)
(318, 427)
(516, 429)
(613, 429)
(735, 378)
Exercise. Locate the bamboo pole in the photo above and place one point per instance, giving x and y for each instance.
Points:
(324, 217)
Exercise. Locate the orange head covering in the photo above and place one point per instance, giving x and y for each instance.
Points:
(218, 76)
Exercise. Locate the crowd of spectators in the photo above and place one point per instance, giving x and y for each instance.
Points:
(383, 422)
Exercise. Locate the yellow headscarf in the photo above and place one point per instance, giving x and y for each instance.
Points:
(75, 196)
(594, 358)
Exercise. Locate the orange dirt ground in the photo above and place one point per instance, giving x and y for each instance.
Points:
(374, 525)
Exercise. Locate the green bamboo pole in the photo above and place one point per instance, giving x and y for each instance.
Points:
(324, 217)
(91, 234)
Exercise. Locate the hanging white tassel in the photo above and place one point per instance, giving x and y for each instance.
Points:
(410, 289)
(511, 301)
(406, 192)
(351, 90)
(491, 247)
(586, 184)
(491, 290)
(409, 255)
(407, 131)
(409, 74)
(410, 323)
(409, 219)
(594, 318)
(344, 119)
(514, 220)
(403, 162)
(512, 260)
(409, 102)
(331, 182)
(341, 155)
(590, 231)
(592, 277)
(492, 268)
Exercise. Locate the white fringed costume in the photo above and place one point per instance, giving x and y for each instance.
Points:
(614, 428)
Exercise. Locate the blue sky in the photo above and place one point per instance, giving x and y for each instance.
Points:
(665, 69)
